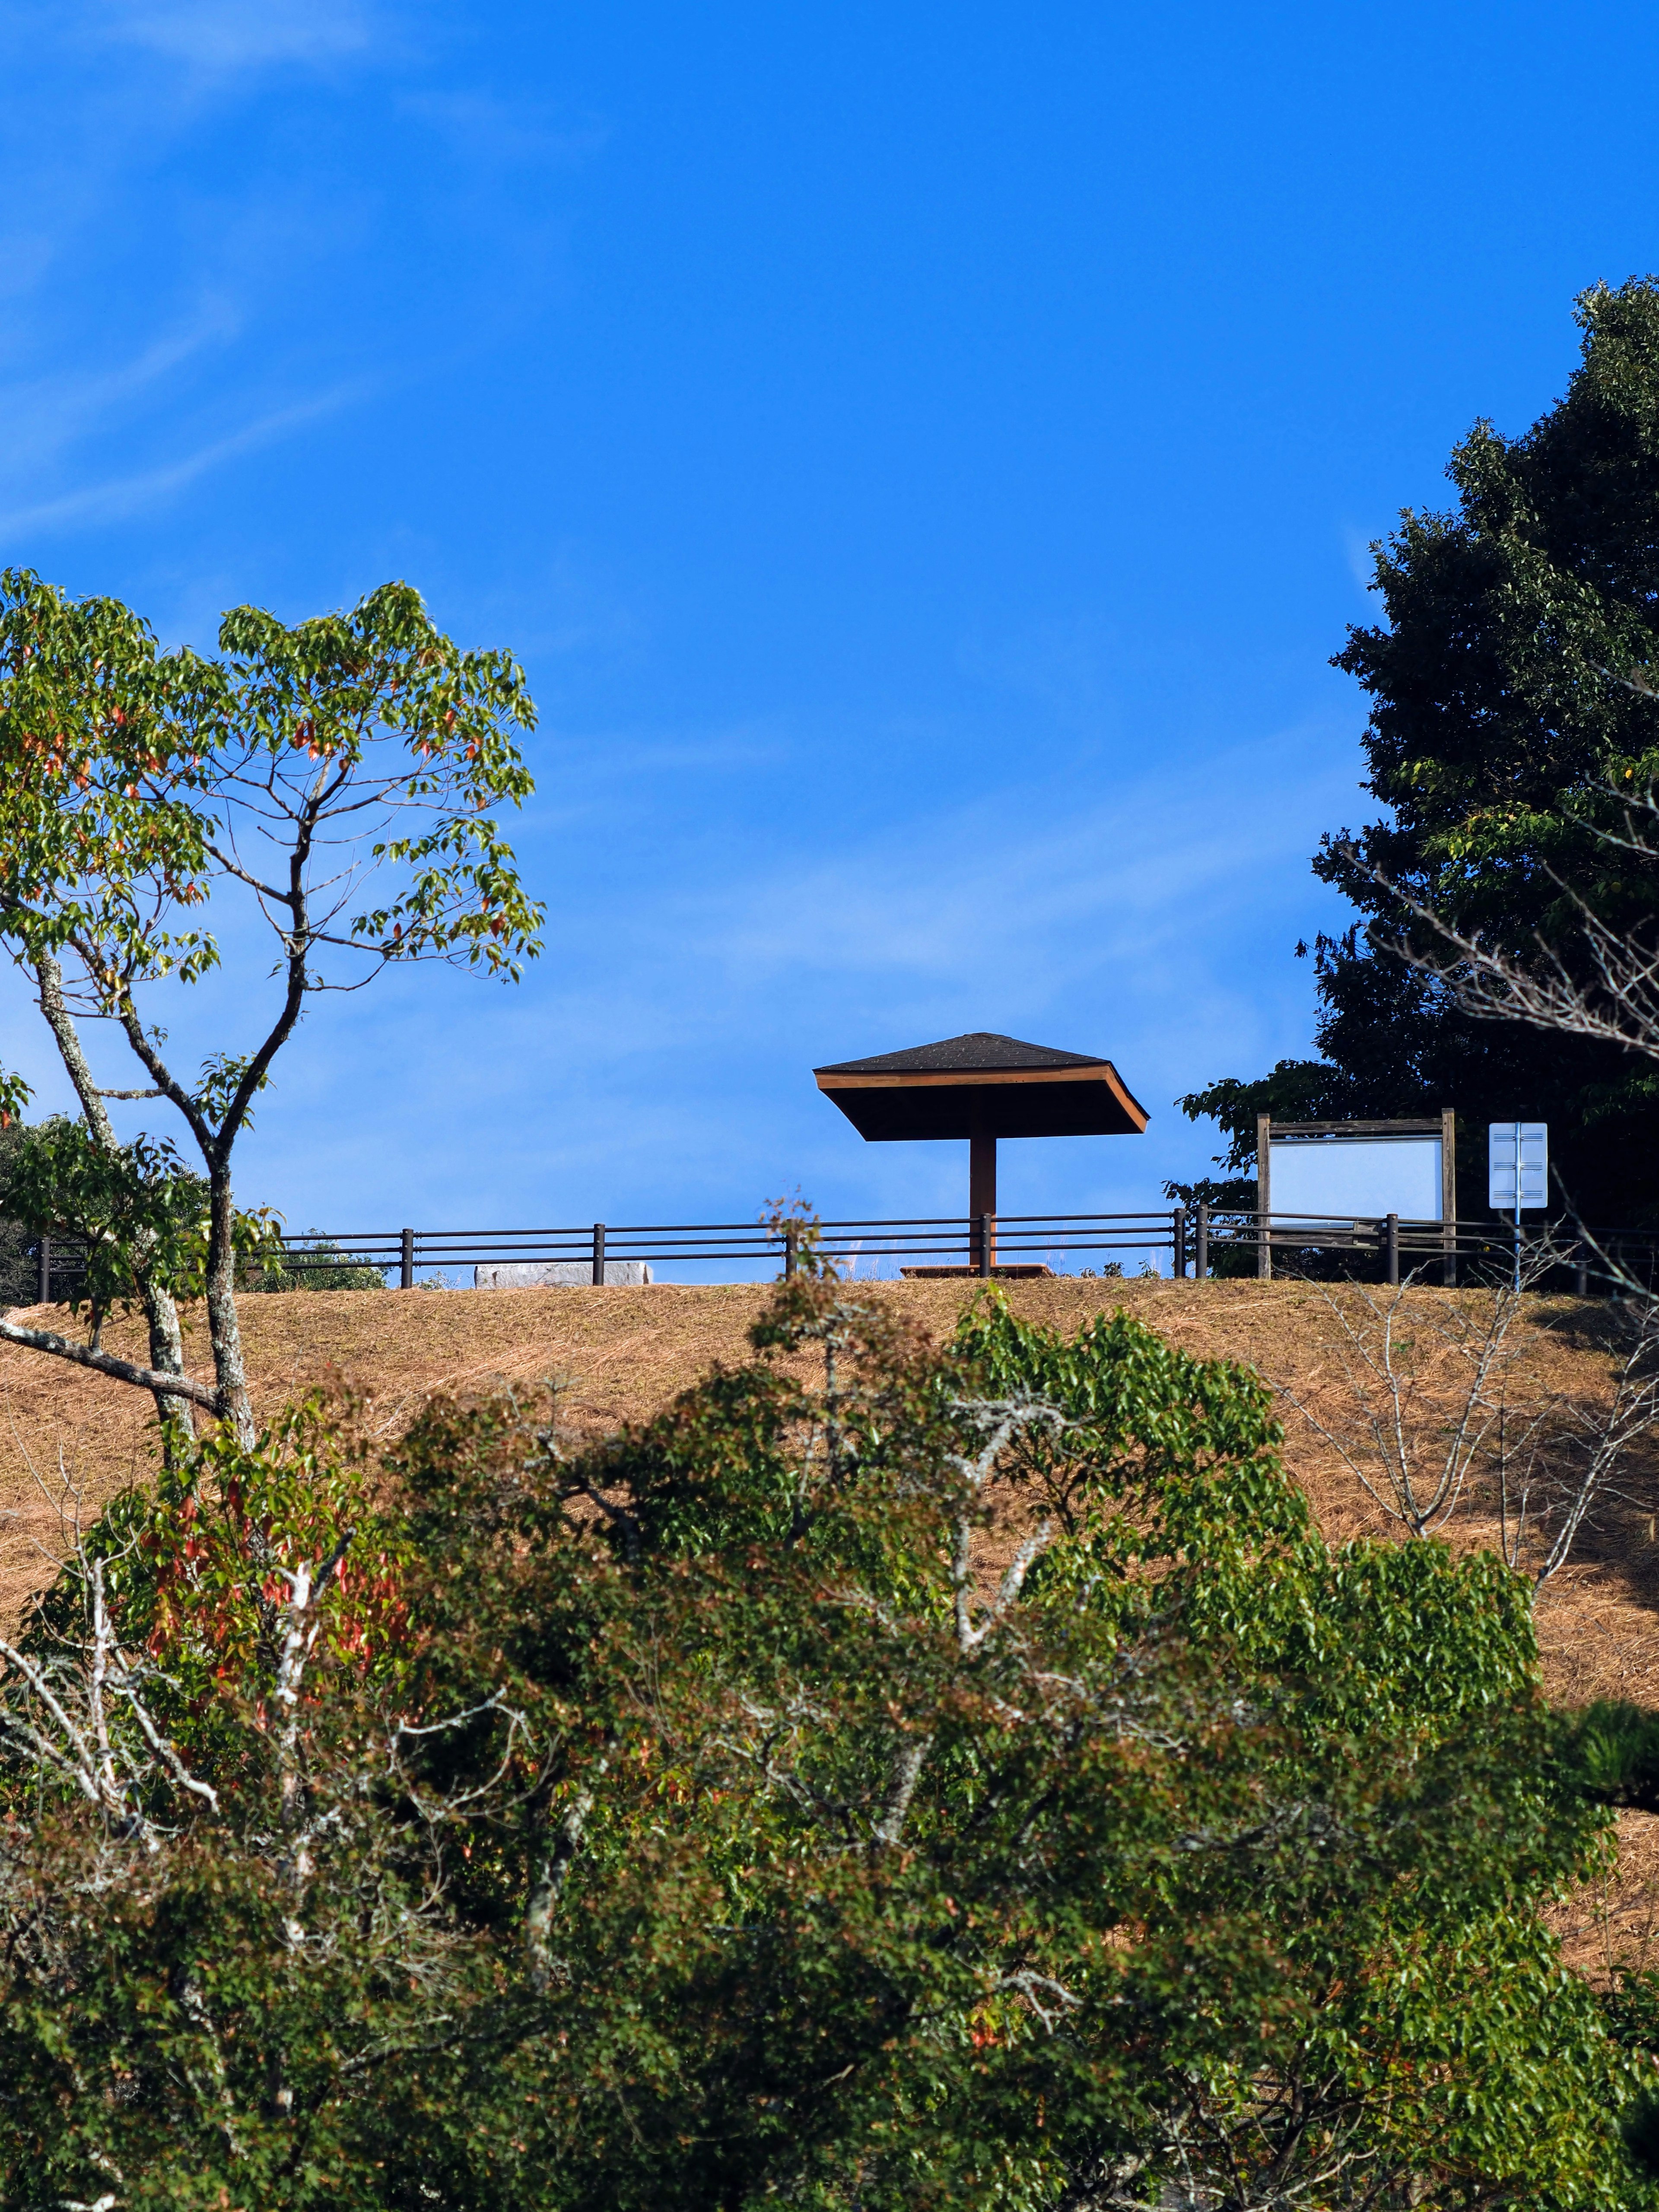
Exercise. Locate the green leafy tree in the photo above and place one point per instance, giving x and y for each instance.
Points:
(940, 1779)
(1512, 696)
(19, 1251)
(338, 775)
(129, 1212)
(324, 1266)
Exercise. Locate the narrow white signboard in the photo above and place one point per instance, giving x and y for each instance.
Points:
(1518, 1166)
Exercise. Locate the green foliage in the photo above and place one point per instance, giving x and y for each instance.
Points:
(1511, 684)
(59, 1183)
(792, 1220)
(1613, 1754)
(19, 1268)
(328, 692)
(129, 1211)
(219, 1083)
(955, 1777)
(91, 848)
(326, 1267)
(120, 767)
(339, 774)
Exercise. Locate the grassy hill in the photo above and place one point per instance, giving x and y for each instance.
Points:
(68, 1440)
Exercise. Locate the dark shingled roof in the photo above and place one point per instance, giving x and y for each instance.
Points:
(981, 1085)
(979, 1052)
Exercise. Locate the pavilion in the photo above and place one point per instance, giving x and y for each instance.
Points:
(981, 1086)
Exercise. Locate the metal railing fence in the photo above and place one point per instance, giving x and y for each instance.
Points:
(947, 1243)
(1198, 1241)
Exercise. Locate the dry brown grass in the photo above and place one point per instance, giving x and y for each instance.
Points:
(625, 1351)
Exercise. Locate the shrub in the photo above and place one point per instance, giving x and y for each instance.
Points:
(962, 1778)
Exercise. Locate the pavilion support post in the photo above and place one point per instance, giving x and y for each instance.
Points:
(982, 1197)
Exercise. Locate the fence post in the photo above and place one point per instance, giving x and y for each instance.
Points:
(985, 1243)
(791, 1246)
(599, 1254)
(1178, 1242)
(1264, 1246)
(1581, 1269)
(43, 1273)
(406, 1259)
(1202, 1254)
(1391, 1245)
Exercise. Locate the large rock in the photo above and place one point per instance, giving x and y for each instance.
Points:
(556, 1275)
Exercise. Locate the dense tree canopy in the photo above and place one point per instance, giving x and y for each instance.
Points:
(959, 1779)
(1513, 685)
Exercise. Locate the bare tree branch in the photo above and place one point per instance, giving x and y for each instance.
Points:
(105, 1363)
(1411, 1459)
(1603, 985)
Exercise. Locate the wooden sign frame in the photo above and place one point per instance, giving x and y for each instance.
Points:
(1443, 1125)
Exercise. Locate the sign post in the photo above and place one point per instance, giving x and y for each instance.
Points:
(1517, 1172)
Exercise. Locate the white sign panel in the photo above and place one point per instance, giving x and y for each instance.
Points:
(1519, 1165)
(1355, 1178)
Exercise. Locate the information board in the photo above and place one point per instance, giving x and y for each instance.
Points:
(1355, 1178)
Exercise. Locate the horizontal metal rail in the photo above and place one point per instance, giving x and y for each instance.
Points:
(1194, 1239)
(944, 1241)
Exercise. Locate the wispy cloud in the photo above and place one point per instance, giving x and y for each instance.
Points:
(482, 127)
(44, 414)
(167, 298)
(220, 37)
(1361, 552)
(1152, 920)
(1038, 908)
(1069, 666)
(655, 1066)
(118, 497)
(1029, 892)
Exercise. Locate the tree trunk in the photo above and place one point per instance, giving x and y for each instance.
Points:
(166, 1357)
(223, 1326)
(167, 1343)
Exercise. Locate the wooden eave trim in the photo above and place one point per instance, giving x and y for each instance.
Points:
(961, 1080)
(958, 1078)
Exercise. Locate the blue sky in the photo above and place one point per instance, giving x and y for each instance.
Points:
(924, 456)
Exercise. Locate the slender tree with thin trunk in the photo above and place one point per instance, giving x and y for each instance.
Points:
(338, 775)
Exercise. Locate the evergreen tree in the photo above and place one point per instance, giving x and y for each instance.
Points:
(1510, 694)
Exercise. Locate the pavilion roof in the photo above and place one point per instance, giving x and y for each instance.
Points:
(981, 1083)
